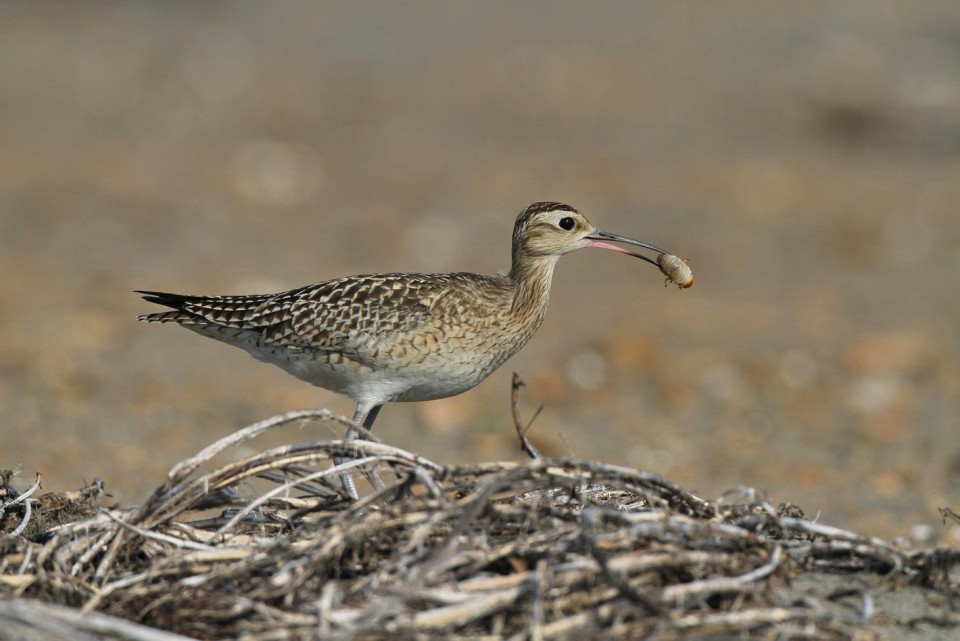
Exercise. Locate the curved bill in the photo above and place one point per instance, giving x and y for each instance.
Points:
(596, 237)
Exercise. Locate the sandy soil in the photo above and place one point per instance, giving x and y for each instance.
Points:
(805, 157)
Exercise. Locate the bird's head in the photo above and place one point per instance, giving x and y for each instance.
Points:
(547, 229)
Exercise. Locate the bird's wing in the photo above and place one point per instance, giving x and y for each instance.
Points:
(373, 320)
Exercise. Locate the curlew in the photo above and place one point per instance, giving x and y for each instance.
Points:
(384, 338)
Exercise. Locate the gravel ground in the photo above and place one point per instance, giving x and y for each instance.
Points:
(804, 157)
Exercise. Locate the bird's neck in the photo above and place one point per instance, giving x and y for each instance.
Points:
(530, 279)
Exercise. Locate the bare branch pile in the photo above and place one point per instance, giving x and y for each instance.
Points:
(269, 547)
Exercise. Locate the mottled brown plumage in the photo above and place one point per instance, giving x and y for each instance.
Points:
(399, 337)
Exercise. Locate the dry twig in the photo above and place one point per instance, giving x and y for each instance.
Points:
(525, 443)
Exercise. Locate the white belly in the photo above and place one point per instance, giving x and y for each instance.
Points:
(439, 376)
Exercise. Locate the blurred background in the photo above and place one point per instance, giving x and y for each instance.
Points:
(805, 158)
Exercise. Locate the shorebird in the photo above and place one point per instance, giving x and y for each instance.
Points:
(382, 338)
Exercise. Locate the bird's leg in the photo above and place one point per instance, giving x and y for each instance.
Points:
(359, 418)
(346, 479)
(366, 420)
(371, 475)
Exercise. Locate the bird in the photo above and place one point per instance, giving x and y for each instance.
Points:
(395, 337)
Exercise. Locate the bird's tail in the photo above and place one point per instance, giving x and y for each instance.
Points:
(178, 302)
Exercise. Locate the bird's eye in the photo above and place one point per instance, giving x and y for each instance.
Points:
(567, 223)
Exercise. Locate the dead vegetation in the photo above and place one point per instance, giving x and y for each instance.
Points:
(269, 547)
